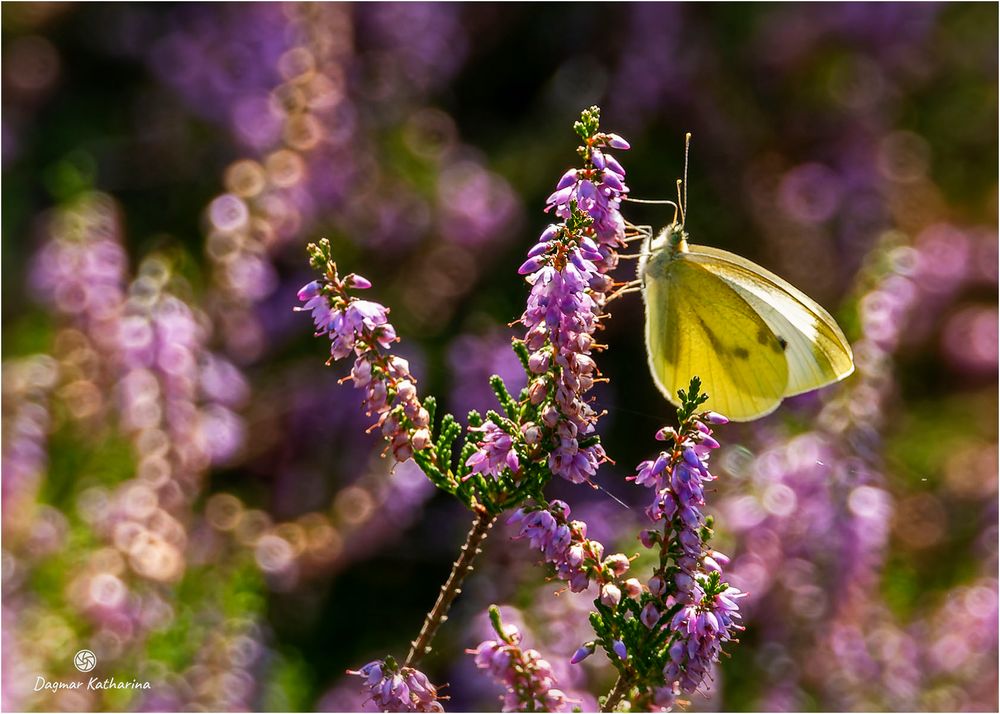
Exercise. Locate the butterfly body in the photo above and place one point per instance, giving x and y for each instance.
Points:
(751, 337)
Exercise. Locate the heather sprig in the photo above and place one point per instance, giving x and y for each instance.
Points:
(527, 678)
(567, 270)
(664, 639)
(548, 429)
(362, 328)
(398, 689)
(574, 558)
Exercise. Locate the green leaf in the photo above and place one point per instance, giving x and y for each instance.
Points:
(503, 397)
(521, 350)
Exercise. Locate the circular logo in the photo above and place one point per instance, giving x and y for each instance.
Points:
(85, 660)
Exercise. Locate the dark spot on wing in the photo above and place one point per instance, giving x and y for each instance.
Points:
(767, 338)
(716, 343)
(720, 348)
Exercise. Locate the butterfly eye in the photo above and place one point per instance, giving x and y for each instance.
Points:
(677, 237)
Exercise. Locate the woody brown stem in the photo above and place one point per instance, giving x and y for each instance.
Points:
(616, 694)
(452, 587)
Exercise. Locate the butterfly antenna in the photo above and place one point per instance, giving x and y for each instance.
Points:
(687, 152)
(680, 203)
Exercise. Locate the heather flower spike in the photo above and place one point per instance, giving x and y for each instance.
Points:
(527, 678)
(398, 689)
(676, 627)
(362, 328)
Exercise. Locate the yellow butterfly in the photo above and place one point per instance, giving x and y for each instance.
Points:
(751, 337)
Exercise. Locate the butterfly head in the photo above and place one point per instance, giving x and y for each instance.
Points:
(663, 248)
(675, 238)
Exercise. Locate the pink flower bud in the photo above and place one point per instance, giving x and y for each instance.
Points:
(708, 441)
(390, 425)
(412, 410)
(633, 588)
(421, 439)
(357, 282)
(536, 337)
(531, 265)
(611, 180)
(421, 419)
(721, 558)
(405, 390)
(361, 373)
(617, 563)
(617, 142)
(567, 180)
(538, 391)
(649, 615)
(399, 367)
(538, 362)
(611, 595)
(567, 429)
(656, 585)
(601, 283)
(377, 396)
(310, 290)
(550, 232)
(667, 433)
(402, 452)
(539, 249)
(532, 433)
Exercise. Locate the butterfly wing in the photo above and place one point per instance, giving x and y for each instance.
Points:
(696, 324)
(817, 351)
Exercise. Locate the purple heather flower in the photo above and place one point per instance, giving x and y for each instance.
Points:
(649, 615)
(620, 650)
(617, 142)
(362, 327)
(495, 453)
(689, 573)
(632, 588)
(611, 595)
(566, 272)
(582, 653)
(665, 697)
(701, 629)
(395, 689)
(564, 543)
(527, 678)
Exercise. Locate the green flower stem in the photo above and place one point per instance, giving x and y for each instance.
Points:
(452, 587)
